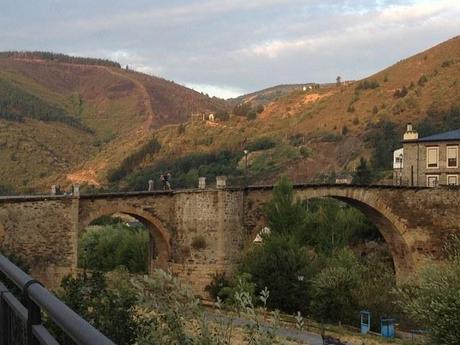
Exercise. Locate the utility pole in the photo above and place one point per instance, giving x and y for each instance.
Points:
(245, 168)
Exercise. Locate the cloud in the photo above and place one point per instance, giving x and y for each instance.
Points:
(228, 47)
(381, 22)
(224, 92)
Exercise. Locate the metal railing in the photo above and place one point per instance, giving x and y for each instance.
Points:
(21, 324)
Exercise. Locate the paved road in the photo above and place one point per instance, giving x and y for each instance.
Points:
(293, 334)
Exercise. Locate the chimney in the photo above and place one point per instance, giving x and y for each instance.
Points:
(410, 133)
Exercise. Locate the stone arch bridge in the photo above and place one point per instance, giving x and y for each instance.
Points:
(415, 223)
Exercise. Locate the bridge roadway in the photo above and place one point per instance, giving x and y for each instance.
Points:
(414, 221)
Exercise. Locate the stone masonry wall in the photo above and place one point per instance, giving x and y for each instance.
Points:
(43, 232)
(415, 156)
(212, 217)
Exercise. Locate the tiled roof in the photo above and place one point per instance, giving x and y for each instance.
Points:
(446, 136)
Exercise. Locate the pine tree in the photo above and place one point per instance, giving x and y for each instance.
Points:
(363, 174)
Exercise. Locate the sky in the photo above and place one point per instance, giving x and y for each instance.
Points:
(231, 47)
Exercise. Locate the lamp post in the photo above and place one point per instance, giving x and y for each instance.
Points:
(245, 168)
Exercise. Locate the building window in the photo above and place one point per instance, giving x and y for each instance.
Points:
(452, 180)
(432, 157)
(452, 156)
(432, 180)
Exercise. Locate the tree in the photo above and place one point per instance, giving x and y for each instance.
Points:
(110, 310)
(284, 267)
(284, 214)
(435, 300)
(260, 108)
(332, 297)
(338, 80)
(363, 174)
(222, 115)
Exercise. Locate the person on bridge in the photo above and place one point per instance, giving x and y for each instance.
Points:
(165, 177)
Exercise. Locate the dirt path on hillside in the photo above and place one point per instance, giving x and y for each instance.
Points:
(145, 97)
(91, 170)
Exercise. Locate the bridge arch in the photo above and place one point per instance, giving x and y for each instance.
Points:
(158, 232)
(371, 205)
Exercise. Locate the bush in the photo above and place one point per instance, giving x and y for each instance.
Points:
(422, 80)
(109, 247)
(305, 152)
(218, 282)
(252, 115)
(332, 289)
(285, 269)
(262, 143)
(109, 309)
(363, 174)
(434, 301)
(186, 169)
(222, 115)
(447, 63)
(260, 108)
(133, 160)
(367, 84)
(199, 243)
(242, 109)
(400, 93)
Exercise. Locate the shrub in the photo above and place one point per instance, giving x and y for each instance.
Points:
(351, 108)
(367, 84)
(252, 115)
(260, 108)
(133, 160)
(422, 80)
(262, 143)
(199, 243)
(111, 246)
(332, 289)
(109, 309)
(242, 109)
(363, 174)
(375, 110)
(222, 115)
(434, 301)
(447, 63)
(285, 269)
(305, 152)
(218, 282)
(297, 139)
(400, 93)
(344, 130)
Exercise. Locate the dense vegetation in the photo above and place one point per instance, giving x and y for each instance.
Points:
(106, 247)
(16, 104)
(308, 265)
(433, 298)
(438, 121)
(59, 58)
(186, 170)
(133, 160)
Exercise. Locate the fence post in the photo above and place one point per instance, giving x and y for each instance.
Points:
(34, 314)
(3, 317)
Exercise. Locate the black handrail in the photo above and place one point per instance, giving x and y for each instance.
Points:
(38, 298)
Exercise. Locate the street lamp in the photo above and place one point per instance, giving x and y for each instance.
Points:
(245, 168)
